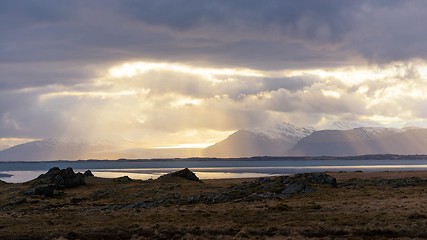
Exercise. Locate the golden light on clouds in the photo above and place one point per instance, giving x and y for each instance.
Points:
(184, 145)
(186, 102)
(129, 70)
(354, 75)
(161, 105)
(332, 94)
(375, 86)
(98, 94)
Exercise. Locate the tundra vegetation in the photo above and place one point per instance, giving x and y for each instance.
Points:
(62, 204)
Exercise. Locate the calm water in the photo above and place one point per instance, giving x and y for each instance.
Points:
(205, 169)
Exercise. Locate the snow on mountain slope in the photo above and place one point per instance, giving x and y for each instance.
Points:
(348, 125)
(285, 131)
(361, 141)
(270, 141)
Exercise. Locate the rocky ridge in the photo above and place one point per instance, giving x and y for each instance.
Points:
(184, 173)
(56, 179)
(258, 189)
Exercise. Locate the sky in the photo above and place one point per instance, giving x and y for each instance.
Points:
(171, 73)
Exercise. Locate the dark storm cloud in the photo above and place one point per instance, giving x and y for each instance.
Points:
(391, 32)
(260, 34)
(18, 76)
(33, 11)
(285, 15)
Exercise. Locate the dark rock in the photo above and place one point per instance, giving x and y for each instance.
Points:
(316, 177)
(55, 179)
(46, 190)
(88, 173)
(261, 196)
(265, 188)
(184, 173)
(297, 187)
(62, 178)
(123, 179)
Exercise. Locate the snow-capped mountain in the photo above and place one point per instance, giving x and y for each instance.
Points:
(284, 131)
(269, 141)
(280, 140)
(349, 124)
(361, 141)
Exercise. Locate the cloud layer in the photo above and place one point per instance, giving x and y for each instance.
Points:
(175, 72)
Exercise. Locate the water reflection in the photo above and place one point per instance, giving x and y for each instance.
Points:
(111, 174)
(21, 176)
(22, 172)
(142, 174)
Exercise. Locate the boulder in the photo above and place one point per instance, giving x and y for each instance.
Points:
(46, 190)
(88, 173)
(55, 179)
(62, 178)
(184, 173)
(123, 179)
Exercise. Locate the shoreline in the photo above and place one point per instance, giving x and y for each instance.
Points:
(253, 158)
(5, 175)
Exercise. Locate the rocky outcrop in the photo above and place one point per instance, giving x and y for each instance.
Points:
(123, 179)
(62, 178)
(256, 190)
(88, 173)
(55, 179)
(184, 173)
(314, 177)
(272, 188)
(47, 190)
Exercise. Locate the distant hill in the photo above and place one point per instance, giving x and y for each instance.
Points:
(258, 142)
(361, 141)
(72, 149)
(57, 149)
(282, 140)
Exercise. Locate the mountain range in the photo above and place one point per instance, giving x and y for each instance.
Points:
(58, 149)
(362, 141)
(274, 141)
(281, 140)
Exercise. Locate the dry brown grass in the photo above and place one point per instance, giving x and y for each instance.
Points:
(360, 207)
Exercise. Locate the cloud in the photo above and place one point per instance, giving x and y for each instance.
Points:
(205, 68)
(303, 19)
(33, 75)
(275, 35)
(389, 32)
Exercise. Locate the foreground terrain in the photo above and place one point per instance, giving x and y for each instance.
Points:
(357, 206)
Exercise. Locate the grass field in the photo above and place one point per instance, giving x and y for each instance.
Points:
(363, 206)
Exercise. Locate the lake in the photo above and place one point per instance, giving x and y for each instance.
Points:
(205, 169)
